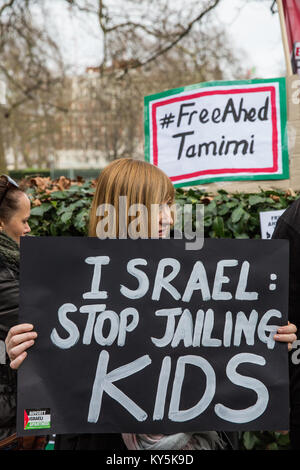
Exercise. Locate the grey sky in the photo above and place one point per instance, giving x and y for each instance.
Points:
(257, 31)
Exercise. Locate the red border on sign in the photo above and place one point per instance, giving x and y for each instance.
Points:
(272, 169)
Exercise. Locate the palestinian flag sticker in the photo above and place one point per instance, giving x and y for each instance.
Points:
(37, 419)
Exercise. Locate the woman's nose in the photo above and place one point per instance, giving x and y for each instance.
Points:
(167, 216)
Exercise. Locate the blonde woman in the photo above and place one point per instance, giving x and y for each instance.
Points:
(124, 184)
(132, 184)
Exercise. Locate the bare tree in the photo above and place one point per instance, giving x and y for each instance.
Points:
(111, 101)
(145, 46)
(31, 65)
(126, 25)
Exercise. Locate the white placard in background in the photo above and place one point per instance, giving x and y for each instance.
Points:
(268, 222)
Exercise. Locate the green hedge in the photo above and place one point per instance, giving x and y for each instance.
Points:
(20, 174)
(86, 173)
(61, 207)
(235, 215)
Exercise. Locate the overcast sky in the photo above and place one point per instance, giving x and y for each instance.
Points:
(250, 23)
(255, 30)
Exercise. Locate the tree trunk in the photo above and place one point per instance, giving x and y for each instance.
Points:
(3, 167)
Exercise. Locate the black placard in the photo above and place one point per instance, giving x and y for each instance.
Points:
(145, 336)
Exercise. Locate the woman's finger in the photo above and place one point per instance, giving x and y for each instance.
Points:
(18, 339)
(18, 361)
(18, 350)
(286, 338)
(290, 328)
(18, 329)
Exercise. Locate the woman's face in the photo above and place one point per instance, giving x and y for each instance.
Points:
(165, 220)
(17, 226)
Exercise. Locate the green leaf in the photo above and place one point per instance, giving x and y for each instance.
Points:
(34, 222)
(53, 230)
(250, 440)
(242, 235)
(66, 217)
(207, 221)
(283, 439)
(193, 200)
(218, 227)
(256, 200)
(75, 188)
(81, 219)
(237, 214)
(76, 204)
(211, 208)
(272, 446)
(232, 204)
(40, 210)
(222, 191)
(223, 209)
(59, 195)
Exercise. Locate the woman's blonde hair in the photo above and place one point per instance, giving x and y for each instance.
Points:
(141, 182)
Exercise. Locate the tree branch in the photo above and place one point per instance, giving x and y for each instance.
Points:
(6, 5)
(184, 33)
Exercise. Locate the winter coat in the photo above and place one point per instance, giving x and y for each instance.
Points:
(9, 301)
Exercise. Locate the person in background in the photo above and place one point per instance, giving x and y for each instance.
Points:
(288, 228)
(14, 215)
(141, 183)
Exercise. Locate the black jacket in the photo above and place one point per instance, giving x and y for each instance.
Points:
(288, 227)
(9, 301)
(106, 442)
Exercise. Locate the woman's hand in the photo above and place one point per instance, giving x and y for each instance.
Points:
(287, 334)
(19, 338)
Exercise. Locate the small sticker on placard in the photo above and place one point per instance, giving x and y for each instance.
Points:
(37, 419)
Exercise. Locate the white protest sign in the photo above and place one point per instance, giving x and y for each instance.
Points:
(218, 131)
(268, 220)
